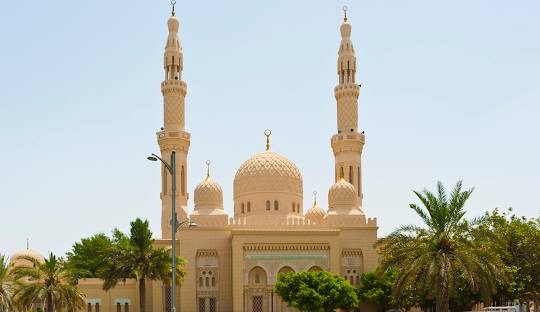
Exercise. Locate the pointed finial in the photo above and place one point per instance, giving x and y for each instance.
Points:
(345, 8)
(208, 162)
(27, 244)
(314, 198)
(173, 2)
(268, 133)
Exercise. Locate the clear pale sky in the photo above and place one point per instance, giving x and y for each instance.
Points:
(450, 90)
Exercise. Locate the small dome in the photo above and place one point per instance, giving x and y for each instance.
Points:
(268, 172)
(173, 24)
(208, 194)
(342, 195)
(15, 258)
(315, 213)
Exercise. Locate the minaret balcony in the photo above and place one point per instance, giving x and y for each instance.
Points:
(348, 142)
(173, 86)
(347, 89)
(178, 140)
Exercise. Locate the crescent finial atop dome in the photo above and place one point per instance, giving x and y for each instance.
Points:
(268, 133)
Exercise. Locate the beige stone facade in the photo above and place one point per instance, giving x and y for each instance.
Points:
(233, 261)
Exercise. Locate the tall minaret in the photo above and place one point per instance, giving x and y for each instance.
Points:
(347, 144)
(173, 136)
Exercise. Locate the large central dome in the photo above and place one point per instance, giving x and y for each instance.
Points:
(266, 182)
(267, 172)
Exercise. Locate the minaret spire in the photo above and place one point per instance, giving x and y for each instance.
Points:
(173, 136)
(347, 144)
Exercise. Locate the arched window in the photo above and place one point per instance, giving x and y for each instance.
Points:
(248, 206)
(207, 281)
(126, 307)
(183, 181)
(257, 278)
(267, 205)
(164, 172)
(97, 306)
(276, 205)
(213, 281)
(89, 307)
(118, 307)
(351, 175)
(358, 185)
(298, 207)
(200, 281)
(293, 207)
(243, 208)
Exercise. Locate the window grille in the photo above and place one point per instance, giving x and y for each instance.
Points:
(213, 305)
(168, 302)
(257, 304)
(202, 304)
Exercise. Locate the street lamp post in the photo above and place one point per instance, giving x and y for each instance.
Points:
(175, 225)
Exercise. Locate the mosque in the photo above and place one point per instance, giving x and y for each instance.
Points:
(233, 261)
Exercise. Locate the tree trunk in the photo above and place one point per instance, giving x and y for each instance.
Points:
(49, 303)
(442, 300)
(142, 295)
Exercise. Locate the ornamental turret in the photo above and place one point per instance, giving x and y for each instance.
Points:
(173, 136)
(348, 143)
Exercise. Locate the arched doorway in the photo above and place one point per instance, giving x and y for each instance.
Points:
(282, 306)
(315, 269)
(257, 290)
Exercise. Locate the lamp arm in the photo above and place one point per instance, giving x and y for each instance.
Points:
(164, 162)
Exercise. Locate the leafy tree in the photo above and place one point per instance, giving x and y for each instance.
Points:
(434, 260)
(316, 291)
(46, 282)
(376, 288)
(6, 284)
(520, 238)
(87, 258)
(135, 257)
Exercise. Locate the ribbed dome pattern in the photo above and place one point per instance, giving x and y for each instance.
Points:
(315, 213)
(208, 194)
(15, 258)
(342, 195)
(268, 172)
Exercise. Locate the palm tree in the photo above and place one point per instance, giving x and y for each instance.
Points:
(46, 282)
(134, 257)
(439, 257)
(6, 284)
